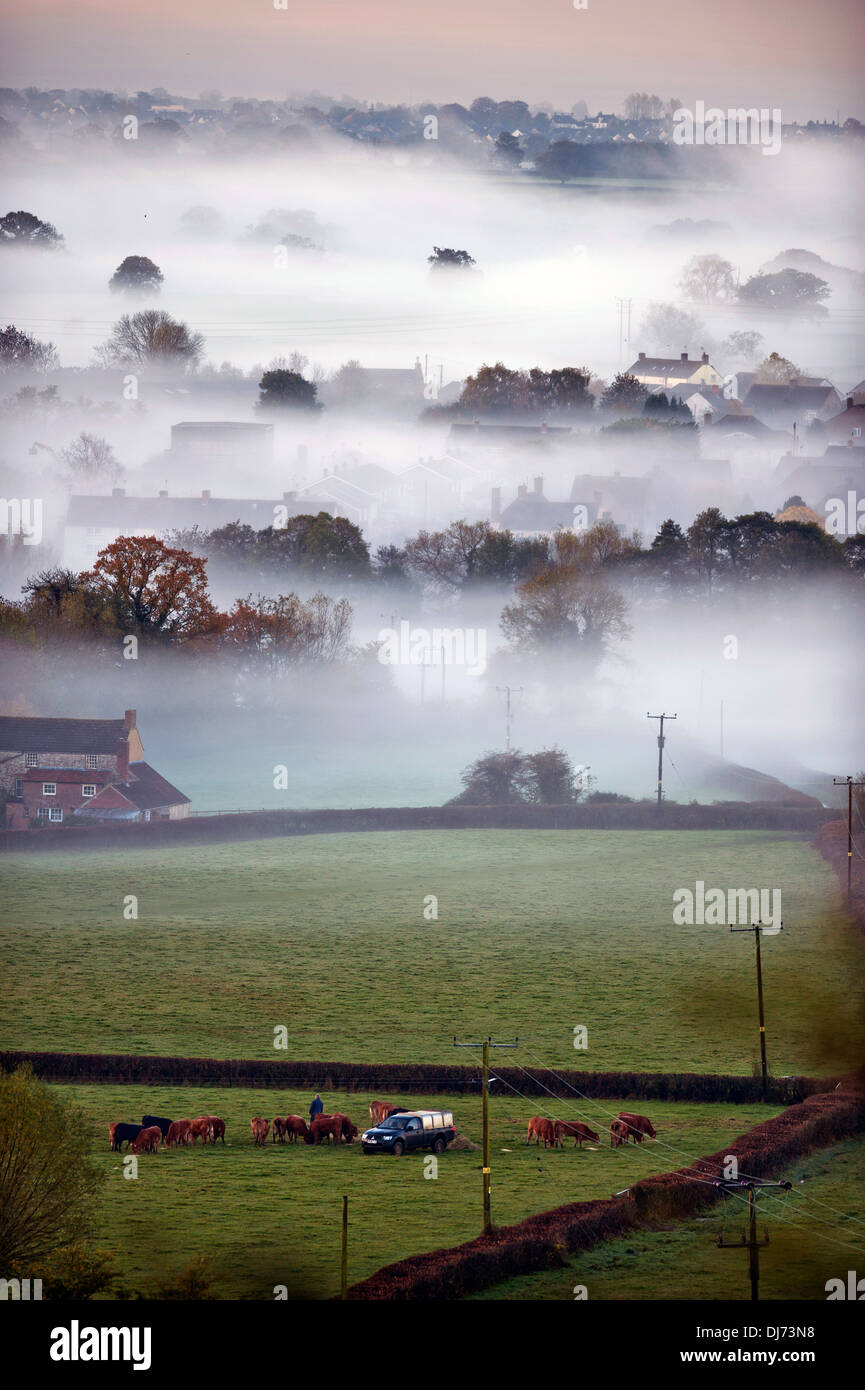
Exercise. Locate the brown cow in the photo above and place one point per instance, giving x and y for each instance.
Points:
(639, 1126)
(349, 1131)
(148, 1140)
(215, 1128)
(380, 1109)
(618, 1133)
(578, 1130)
(260, 1130)
(541, 1128)
(198, 1129)
(277, 1133)
(324, 1127)
(178, 1133)
(295, 1126)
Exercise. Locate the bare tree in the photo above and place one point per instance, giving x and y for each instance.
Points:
(708, 279)
(91, 459)
(151, 336)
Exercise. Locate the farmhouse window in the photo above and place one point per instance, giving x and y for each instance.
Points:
(49, 788)
(31, 759)
(91, 760)
(41, 812)
(89, 789)
(19, 787)
(55, 813)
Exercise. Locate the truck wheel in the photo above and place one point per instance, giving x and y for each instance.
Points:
(398, 1148)
(439, 1146)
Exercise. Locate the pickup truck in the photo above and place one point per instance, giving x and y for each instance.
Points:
(410, 1129)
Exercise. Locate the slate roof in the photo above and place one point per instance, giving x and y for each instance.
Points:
(146, 790)
(766, 397)
(26, 735)
(534, 513)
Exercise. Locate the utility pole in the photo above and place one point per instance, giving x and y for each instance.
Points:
(623, 312)
(722, 728)
(750, 1185)
(849, 783)
(662, 717)
(343, 1270)
(757, 928)
(485, 1078)
(507, 692)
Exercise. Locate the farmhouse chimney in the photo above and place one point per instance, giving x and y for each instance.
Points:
(122, 760)
(496, 505)
(539, 487)
(641, 357)
(705, 359)
(683, 356)
(129, 719)
(522, 490)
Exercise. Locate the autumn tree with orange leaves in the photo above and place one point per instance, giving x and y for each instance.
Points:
(154, 590)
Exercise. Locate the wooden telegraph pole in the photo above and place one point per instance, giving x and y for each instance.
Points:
(849, 783)
(752, 1243)
(662, 717)
(485, 1078)
(756, 928)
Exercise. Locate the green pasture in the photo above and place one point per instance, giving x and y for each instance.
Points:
(536, 932)
(816, 1233)
(271, 1217)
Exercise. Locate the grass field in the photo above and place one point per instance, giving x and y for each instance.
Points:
(272, 1216)
(536, 932)
(816, 1233)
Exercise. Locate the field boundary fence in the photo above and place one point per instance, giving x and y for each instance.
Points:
(227, 826)
(96, 1068)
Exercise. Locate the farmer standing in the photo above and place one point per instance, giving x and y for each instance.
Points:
(316, 1108)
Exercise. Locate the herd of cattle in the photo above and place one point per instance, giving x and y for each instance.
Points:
(155, 1130)
(554, 1132)
(333, 1128)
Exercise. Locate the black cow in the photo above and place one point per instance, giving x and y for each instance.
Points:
(121, 1134)
(164, 1125)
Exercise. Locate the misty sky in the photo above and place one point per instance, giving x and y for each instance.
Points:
(801, 57)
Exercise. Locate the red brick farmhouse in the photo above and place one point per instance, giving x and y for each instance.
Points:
(80, 770)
